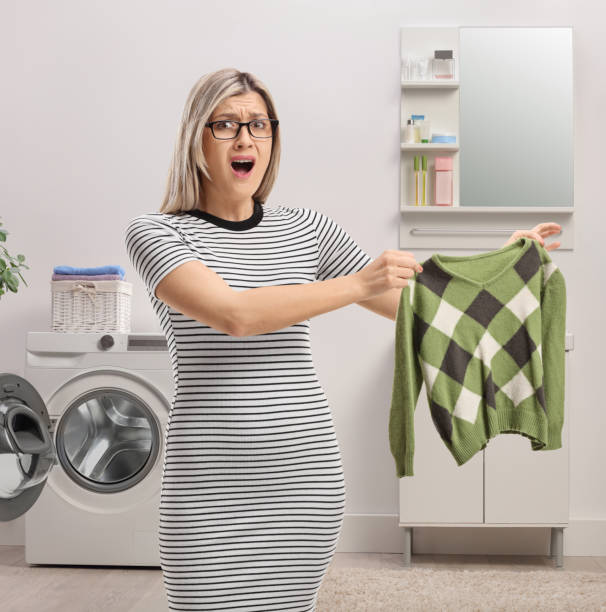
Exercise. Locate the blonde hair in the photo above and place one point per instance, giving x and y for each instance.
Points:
(184, 188)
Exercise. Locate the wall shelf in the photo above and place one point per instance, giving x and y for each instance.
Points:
(568, 210)
(429, 146)
(446, 84)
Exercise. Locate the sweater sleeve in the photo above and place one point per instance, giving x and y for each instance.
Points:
(407, 383)
(338, 253)
(155, 248)
(553, 331)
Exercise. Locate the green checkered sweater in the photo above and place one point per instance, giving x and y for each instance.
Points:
(486, 334)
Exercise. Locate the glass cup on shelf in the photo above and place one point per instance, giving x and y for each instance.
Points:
(423, 68)
(425, 131)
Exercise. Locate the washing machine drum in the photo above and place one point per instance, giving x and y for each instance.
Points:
(27, 451)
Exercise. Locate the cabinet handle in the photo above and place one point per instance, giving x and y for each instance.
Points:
(450, 230)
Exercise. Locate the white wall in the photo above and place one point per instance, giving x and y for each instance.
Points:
(93, 94)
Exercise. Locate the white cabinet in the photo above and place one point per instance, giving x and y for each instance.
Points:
(506, 484)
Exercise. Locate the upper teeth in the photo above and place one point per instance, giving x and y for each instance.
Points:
(242, 161)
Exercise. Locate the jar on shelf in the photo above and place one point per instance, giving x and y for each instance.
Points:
(443, 64)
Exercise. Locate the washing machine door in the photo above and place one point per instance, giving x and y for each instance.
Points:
(27, 451)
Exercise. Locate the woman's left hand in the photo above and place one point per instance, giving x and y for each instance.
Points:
(539, 232)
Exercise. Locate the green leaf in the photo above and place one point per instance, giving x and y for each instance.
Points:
(12, 282)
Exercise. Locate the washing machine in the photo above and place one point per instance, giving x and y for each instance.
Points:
(82, 439)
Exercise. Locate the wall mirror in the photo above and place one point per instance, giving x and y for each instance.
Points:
(516, 116)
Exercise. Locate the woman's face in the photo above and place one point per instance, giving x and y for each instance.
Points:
(225, 182)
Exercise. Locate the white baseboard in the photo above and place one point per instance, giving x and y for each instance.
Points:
(380, 533)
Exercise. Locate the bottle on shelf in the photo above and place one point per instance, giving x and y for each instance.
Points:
(416, 122)
(409, 134)
(407, 68)
(424, 179)
(420, 180)
(416, 169)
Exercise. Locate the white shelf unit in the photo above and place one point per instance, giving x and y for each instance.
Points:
(436, 227)
(507, 484)
(438, 100)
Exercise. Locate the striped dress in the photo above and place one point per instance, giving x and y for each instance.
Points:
(253, 493)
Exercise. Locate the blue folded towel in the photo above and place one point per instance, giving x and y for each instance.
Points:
(99, 270)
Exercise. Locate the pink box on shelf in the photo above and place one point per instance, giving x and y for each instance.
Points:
(443, 181)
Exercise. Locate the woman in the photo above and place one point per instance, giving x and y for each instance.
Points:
(253, 492)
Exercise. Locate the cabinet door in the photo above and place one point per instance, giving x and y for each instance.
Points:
(440, 491)
(526, 486)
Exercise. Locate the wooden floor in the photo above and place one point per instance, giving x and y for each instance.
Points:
(127, 589)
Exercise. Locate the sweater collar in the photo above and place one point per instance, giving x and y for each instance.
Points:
(522, 244)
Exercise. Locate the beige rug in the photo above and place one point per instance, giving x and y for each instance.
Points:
(356, 589)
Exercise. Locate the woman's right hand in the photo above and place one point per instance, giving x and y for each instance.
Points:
(391, 270)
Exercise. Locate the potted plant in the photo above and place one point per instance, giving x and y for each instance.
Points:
(9, 266)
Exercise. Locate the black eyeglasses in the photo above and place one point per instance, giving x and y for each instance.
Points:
(226, 129)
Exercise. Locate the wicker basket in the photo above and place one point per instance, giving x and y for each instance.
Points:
(91, 306)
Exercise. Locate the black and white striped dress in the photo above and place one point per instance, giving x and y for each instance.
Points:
(253, 492)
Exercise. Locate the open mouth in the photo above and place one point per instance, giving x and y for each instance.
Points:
(242, 168)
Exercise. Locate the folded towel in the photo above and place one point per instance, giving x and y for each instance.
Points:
(90, 271)
(85, 277)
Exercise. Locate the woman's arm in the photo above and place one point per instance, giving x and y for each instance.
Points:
(385, 303)
(261, 310)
